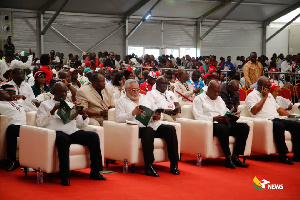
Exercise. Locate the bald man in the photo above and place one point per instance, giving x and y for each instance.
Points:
(67, 134)
(97, 98)
(230, 95)
(261, 104)
(209, 106)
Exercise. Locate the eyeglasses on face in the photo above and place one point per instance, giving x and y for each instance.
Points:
(134, 90)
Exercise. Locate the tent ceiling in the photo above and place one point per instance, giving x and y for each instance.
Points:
(249, 10)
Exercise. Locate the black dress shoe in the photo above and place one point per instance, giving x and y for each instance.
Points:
(65, 182)
(229, 163)
(97, 176)
(174, 169)
(285, 160)
(12, 166)
(238, 163)
(149, 171)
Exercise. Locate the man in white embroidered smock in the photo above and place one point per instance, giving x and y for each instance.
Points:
(128, 107)
(165, 100)
(282, 102)
(67, 134)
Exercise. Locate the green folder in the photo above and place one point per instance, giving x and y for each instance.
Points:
(66, 113)
(146, 117)
(233, 118)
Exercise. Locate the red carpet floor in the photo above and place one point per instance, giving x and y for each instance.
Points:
(212, 182)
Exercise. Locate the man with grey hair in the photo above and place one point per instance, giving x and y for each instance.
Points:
(209, 106)
(127, 108)
(230, 95)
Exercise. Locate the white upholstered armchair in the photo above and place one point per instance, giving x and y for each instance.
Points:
(122, 142)
(197, 136)
(37, 148)
(263, 141)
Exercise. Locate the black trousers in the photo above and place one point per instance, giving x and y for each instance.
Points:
(12, 134)
(168, 133)
(281, 125)
(86, 138)
(239, 130)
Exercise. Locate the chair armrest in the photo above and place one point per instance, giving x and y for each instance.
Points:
(100, 131)
(196, 136)
(263, 137)
(37, 148)
(3, 127)
(121, 141)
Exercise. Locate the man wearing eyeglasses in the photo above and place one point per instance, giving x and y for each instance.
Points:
(262, 104)
(128, 107)
(110, 62)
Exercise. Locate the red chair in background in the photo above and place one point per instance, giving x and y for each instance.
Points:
(286, 93)
(243, 94)
(249, 91)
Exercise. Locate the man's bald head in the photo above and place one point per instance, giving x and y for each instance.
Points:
(263, 82)
(60, 91)
(213, 89)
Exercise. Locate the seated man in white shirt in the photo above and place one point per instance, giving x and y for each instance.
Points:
(25, 95)
(128, 107)
(164, 99)
(261, 104)
(209, 106)
(67, 134)
(16, 117)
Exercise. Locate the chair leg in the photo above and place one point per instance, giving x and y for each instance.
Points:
(207, 161)
(50, 175)
(244, 159)
(268, 158)
(25, 170)
(132, 168)
(106, 162)
(180, 156)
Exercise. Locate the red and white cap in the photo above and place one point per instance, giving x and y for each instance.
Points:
(152, 74)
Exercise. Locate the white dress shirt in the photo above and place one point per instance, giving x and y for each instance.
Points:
(162, 100)
(125, 106)
(23, 89)
(269, 109)
(14, 111)
(206, 109)
(19, 64)
(30, 79)
(3, 68)
(283, 102)
(54, 122)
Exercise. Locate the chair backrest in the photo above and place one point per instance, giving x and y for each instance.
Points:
(286, 93)
(249, 91)
(297, 90)
(244, 111)
(186, 112)
(292, 90)
(243, 94)
(112, 114)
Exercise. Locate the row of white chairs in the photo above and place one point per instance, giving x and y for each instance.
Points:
(119, 141)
